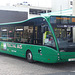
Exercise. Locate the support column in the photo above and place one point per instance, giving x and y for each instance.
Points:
(74, 15)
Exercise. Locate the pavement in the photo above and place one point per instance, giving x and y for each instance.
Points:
(12, 65)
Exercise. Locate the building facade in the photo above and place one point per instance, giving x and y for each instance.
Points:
(20, 12)
(12, 14)
(59, 5)
(34, 11)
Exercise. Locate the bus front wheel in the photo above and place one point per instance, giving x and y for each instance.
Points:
(29, 56)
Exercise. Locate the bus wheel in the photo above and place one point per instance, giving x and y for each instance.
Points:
(29, 56)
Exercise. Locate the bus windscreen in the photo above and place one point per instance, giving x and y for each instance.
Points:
(63, 27)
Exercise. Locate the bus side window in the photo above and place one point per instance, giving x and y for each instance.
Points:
(11, 34)
(28, 34)
(4, 35)
(18, 34)
(48, 39)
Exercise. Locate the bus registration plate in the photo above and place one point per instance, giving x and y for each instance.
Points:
(71, 59)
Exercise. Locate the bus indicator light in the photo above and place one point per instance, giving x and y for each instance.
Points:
(40, 54)
(58, 53)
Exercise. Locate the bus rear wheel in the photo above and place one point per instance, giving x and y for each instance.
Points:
(29, 56)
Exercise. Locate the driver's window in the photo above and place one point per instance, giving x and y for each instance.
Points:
(48, 39)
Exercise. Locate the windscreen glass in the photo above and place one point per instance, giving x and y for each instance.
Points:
(64, 29)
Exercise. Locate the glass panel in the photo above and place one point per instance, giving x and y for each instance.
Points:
(11, 34)
(18, 33)
(7, 34)
(37, 35)
(28, 35)
(42, 33)
(65, 39)
(4, 34)
(64, 33)
(48, 39)
(0, 34)
(24, 34)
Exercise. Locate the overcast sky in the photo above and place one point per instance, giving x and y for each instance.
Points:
(41, 3)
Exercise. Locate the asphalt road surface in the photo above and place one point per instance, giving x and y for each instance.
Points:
(12, 65)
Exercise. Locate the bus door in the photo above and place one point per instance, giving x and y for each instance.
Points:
(37, 35)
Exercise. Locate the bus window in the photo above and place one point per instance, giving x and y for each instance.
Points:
(18, 33)
(65, 38)
(64, 32)
(48, 39)
(11, 34)
(0, 34)
(4, 35)
(34, 33)
(42, 34)
(37, 35)
(28, 35)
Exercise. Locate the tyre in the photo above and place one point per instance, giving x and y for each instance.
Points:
(29, 57)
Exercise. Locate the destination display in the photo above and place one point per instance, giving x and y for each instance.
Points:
(62, 20)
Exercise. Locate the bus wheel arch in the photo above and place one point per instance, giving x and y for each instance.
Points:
(29, 56)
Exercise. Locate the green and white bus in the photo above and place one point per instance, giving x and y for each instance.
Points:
(48, 39)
